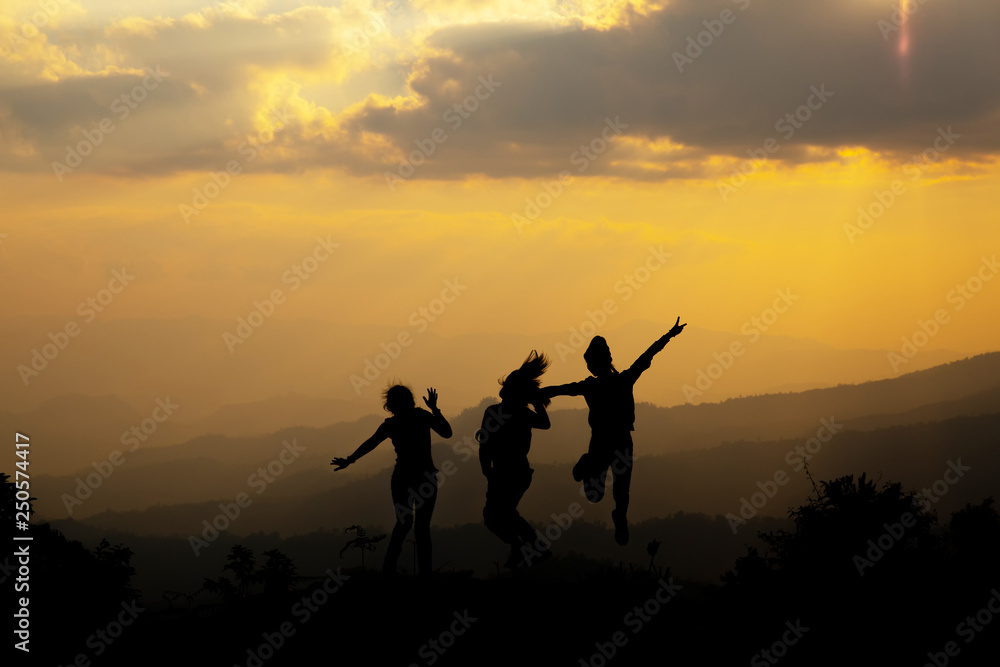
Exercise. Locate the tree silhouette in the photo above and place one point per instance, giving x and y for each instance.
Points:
(851, 567)
(975, 541)
(242, 563)
(278, 572)
(361, 542)
(116, 564)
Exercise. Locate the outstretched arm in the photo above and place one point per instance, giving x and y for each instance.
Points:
(438, 423)
(571, 389)
(646, 358)
(381, 433)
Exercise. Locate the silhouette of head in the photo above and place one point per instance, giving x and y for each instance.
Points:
(598, 356)
(398, 398)
(521, 386)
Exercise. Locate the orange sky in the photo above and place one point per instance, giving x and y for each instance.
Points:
(473, 110)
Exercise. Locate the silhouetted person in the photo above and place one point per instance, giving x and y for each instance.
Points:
(414, 479)
(612, 417)
(504, 441)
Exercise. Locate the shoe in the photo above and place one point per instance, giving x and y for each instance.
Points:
(621, 527)
(579, 470)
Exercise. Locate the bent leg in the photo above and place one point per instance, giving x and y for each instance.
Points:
(521, 530)
(621, 467)
(594, 468)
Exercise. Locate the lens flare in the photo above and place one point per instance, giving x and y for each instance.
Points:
(904, 28)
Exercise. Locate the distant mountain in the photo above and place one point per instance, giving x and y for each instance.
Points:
(204, 468)
(277, 413)
(713, 481)
(985, 402)
(217, 467)
(69, 432)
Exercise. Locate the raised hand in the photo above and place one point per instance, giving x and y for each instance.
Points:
(431, 399)
(677, 328)
(340, 462)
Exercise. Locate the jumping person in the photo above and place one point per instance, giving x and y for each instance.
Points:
(612, 419)
(504, 441)
(414, 479)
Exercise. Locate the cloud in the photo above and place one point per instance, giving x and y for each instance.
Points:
(691, 109)
(729, 96)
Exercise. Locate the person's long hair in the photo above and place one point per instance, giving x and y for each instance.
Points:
(397, 398)
(524, 382)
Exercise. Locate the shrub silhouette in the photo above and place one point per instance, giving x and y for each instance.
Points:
(361, 542)
(854, 567)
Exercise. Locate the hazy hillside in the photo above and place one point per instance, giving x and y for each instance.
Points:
(76, 430)
(68, 432)
(276, 413)
(216, 467)
(712, 481)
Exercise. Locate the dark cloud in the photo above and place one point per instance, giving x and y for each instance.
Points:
(729, 97)
(556, 90)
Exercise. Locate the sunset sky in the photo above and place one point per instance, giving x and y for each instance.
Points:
(550, 156)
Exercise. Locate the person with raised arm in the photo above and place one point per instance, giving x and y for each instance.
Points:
(612, 419)
(414, 479)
